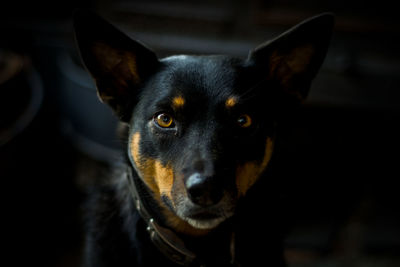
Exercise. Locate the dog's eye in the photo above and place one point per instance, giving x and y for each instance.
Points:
(164, 120)
(244, 121)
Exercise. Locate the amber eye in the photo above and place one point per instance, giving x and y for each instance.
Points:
(244, 121)
(164, 120)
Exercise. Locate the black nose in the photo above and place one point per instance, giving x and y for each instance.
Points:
(203, 190)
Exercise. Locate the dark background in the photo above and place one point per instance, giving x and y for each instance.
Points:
(339, 170)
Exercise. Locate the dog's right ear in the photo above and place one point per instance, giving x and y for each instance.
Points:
(118, 64)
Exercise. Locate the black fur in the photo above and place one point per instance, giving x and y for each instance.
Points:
(204, 139)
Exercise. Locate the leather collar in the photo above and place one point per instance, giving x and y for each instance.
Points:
(163, 238)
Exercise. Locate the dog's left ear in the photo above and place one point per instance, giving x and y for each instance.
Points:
(293, 59)
(118, 64)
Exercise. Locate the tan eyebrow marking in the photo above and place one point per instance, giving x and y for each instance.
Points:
(178, 102)
(231, 101)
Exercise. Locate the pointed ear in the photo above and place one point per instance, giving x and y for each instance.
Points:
(293, 59)
(118, 64)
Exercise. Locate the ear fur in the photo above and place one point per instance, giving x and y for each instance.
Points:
(118, 64)
(293, 59)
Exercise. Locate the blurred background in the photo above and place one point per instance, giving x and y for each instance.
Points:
(340, 154)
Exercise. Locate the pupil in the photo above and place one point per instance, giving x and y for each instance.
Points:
(165, 118)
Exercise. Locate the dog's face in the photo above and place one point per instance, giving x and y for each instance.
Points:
(201, 127)
(197, 139)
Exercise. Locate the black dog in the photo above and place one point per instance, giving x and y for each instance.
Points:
(194, 188)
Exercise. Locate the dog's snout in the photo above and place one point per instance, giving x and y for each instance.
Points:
(203, 190)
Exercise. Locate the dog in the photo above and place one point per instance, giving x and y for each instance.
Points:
(194, 187)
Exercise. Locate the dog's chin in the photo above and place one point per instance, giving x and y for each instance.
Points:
(205, 224)
(204, 218)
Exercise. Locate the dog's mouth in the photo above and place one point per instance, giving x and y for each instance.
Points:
(204, 216)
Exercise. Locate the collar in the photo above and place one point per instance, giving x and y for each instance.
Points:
(167, 242)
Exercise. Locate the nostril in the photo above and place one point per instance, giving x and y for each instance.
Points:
(202, 190)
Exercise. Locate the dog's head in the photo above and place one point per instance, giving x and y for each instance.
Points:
(201, 127)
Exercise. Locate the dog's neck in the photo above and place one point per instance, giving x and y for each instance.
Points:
(169, 242)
